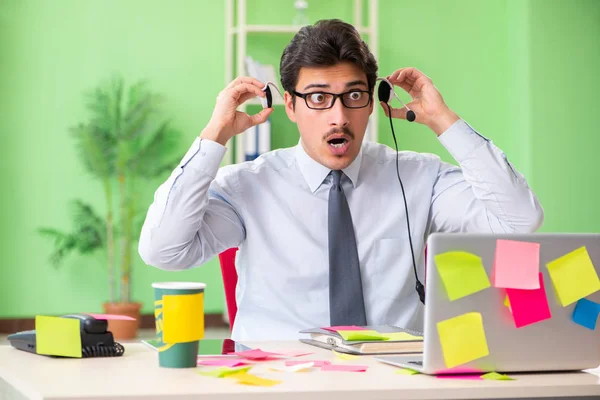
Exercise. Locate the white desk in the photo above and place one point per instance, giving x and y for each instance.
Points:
(136, 375)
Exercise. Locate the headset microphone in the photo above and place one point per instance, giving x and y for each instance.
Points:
(384, 93)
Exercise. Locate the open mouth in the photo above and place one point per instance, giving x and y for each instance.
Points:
(337, 142)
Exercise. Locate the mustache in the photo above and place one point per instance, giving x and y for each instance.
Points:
(335, 131)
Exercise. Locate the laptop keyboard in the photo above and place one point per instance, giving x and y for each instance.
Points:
(420, 363)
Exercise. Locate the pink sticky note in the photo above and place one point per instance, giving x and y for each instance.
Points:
(467, 377)
(113, 316)
(317, 363)
(225, 362)
(344, 328)
(257, 354)
(347, 368)
(529, 306)
(516, 265)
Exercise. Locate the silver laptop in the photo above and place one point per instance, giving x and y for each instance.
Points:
(555, 344)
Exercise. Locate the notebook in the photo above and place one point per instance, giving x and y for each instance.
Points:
(380, 339)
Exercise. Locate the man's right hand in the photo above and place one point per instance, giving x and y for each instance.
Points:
(226, 121)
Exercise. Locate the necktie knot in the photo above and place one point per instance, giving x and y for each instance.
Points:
(336, 174)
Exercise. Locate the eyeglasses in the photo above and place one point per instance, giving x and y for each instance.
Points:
(325, 100)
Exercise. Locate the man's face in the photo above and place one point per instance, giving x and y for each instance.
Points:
(331, 137)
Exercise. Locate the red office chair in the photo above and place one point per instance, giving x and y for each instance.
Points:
(230, 278)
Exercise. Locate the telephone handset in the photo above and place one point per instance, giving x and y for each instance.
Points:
(96, 339)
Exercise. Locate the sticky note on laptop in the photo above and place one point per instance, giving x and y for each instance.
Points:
(462, 273)
(516, 264)
(462, 339)
(573, 276)
(57, 336)
(586, 313)
(529, 306)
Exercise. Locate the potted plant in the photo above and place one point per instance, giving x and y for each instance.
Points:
(122, 143)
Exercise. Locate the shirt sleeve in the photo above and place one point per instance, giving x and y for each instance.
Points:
(193, 217)
(485, 193)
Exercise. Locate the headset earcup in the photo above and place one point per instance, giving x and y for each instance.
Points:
(384, 92)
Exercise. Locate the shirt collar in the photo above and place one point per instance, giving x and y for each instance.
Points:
(315, 173)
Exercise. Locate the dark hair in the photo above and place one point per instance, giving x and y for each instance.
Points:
(326, 43)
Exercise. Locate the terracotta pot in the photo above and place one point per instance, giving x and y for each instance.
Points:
(124, 330)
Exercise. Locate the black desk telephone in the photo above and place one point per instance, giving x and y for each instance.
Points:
(96, 340)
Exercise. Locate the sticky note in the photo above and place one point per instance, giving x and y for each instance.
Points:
(344, 356)
(586, 313)
(406, 371)
(253, 380)
(573, 276)
(346, 368)
(316, 363)
(529, 306)
(462, 339)
(516, 264)
(221, 363)
(507, 301)
(57, 336)
(303, 367)
(345, 328)
(183, 318)
(113, 317)
(362, 335)
(497, 377)
(403, 337)
(257, 354)
(223, 372)
(462, 273)
(460, 376)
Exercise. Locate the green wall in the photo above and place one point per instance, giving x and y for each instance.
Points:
(510, 68)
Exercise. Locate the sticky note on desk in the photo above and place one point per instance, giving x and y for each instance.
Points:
(462, 339)
(183, 317)
(57, 336)
(253, 380)
(529, 306)
(223, 372)
(586, 313)
(573, 276)
(494, 376)
(362, 335)
(462, 273)
(516, 264)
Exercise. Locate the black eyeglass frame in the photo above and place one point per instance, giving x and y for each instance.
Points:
(334, 98)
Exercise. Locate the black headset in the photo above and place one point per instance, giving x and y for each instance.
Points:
(384, 93)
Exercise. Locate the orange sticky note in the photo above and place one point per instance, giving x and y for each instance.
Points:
(516, 264)
(183, 317)
(57, 336)
(462, 339)
(462, 273)
(573, 276)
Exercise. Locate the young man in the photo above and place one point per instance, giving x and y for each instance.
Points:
(321, 227)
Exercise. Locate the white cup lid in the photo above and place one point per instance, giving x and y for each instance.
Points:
(179, 285)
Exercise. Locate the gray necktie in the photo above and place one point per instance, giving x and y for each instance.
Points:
(346, 303)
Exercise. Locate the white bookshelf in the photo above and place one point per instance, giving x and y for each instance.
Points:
(240, 30)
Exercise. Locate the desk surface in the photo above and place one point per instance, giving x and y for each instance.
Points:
(136, 375)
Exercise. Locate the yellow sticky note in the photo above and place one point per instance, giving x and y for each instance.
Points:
(249, 379)
(57, 336)
(507, 302)
(183, 318)
(497, 377)
(402, 337)
(573, 276)
(462, 273)
(406, 371)
(362, 335)
(223, 372)
(462, 339)
(344, 356)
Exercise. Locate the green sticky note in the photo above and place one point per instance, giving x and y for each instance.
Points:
(462, 339)
(223, 372)
(57, 336)
(573, 276)
(402, 337)
(406, 371)
(497, 377)
(462, 273)
(362, 335)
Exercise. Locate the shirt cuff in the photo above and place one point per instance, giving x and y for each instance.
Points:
(461, 139)
(204, 155)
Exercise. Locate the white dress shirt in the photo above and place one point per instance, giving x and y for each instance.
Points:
(275, 210)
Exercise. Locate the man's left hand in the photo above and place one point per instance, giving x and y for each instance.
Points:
(426, 101)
